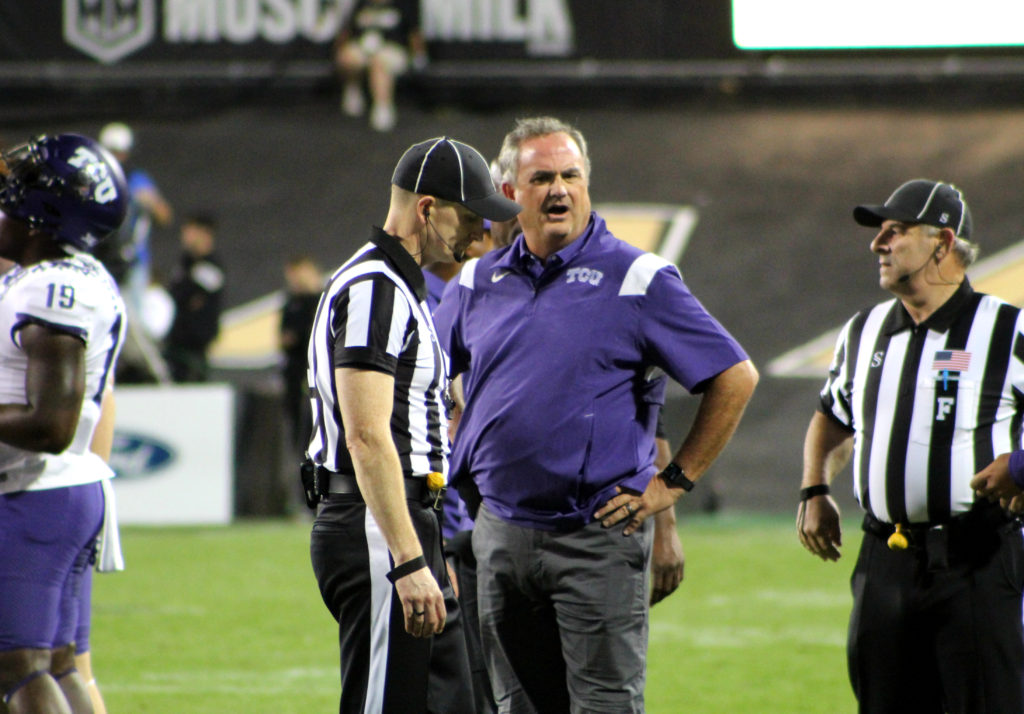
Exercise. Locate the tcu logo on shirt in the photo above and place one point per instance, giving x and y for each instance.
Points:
(583, 275)
(94, 167)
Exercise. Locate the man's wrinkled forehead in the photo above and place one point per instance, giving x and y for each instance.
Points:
(551, 153)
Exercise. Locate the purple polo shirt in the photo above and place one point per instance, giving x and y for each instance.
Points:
(557, 359)
(455, 515)
(435, 289)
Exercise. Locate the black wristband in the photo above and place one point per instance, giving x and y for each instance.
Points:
(821, 489)
(409, 566)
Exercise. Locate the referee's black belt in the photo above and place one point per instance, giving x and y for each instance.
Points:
(983, 517)
(415, 487)
(965, 535)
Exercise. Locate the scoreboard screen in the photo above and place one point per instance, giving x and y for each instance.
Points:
(876, 24)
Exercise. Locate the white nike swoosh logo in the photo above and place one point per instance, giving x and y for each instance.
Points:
(495, 277)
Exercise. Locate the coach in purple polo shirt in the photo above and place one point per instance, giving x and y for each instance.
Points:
(558, 334)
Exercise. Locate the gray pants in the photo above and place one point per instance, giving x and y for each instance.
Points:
(563, 616)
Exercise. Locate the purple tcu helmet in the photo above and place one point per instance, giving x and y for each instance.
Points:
(67, 185)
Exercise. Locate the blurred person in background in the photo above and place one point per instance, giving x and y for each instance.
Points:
(157, 308)
(378, 457)
(141, 361)
(197, 288)
(562, 503)
(59, 196)
(127, 255)
(377, 43)
(924, 391)
(304, 282)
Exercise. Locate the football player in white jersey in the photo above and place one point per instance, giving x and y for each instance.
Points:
(61, 328)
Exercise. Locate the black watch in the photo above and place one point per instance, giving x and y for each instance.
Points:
(674, 476)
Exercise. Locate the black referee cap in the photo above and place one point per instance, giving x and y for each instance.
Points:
(932, 203)
(456, 172)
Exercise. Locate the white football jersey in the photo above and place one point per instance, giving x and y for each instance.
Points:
(77, 296)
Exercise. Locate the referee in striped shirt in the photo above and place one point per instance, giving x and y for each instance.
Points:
(379, 380)
(925, 391)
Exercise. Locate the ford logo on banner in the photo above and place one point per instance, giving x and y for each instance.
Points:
(139, 455)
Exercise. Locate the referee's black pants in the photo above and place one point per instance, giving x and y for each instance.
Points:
(384, 669)
(933, 636)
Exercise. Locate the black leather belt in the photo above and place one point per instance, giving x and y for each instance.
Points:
(415, 487)
(965, 536)
(981, 518)
(914, 531)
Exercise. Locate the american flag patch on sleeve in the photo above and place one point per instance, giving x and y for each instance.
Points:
(952, 360)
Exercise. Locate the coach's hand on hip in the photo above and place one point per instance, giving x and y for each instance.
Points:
(422, 603)
(637, 507)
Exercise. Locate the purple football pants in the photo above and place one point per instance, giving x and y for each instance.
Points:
(46, 543)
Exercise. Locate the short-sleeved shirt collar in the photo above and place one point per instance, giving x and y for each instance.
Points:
(519, 257)
(940, 320)
(401, 261)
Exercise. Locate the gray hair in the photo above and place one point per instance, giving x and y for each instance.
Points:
(531, 128)
(965, 251)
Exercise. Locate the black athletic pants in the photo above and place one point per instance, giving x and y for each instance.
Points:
(385, 670)
(937, 627)
(459, 551)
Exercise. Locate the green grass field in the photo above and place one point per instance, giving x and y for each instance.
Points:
(215, 620)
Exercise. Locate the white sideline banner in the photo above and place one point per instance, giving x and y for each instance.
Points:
(174, 454)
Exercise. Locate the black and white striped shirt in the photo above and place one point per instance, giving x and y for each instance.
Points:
(373, 315)
(930, 405)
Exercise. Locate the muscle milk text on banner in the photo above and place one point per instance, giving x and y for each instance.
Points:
(110, 30)
(544, 26)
